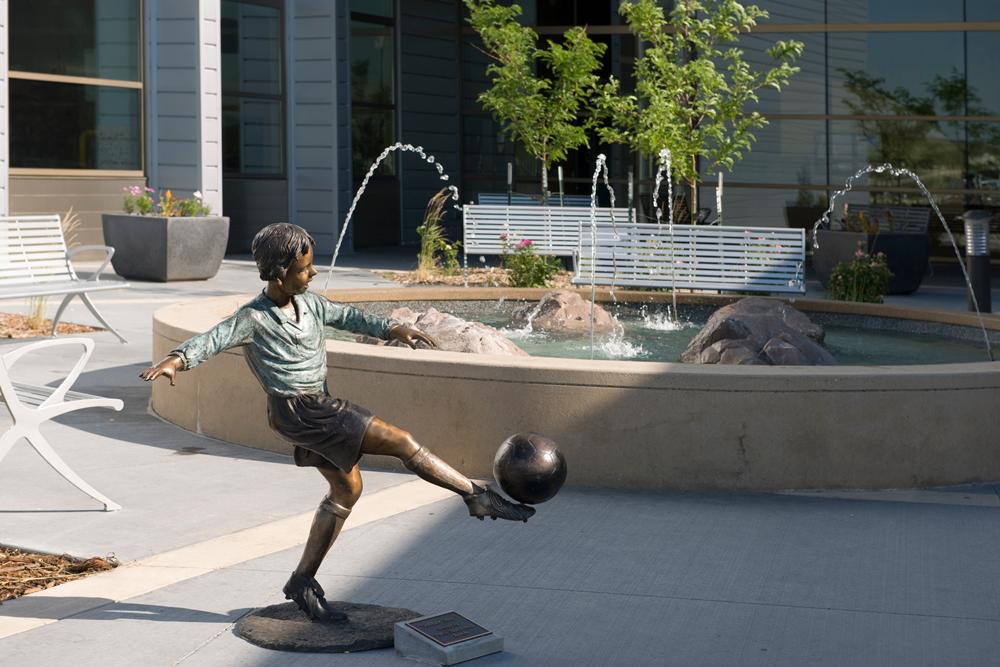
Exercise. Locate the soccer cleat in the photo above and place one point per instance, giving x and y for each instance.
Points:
(485, 502)
(308, 595)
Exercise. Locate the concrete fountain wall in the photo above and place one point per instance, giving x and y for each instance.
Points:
(632, 424)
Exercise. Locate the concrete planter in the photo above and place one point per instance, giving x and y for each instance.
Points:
(906, 255)
(165, 249)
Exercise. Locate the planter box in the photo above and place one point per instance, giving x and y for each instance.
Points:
(906, 254)
(165, 249)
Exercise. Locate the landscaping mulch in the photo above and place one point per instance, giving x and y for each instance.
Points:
(13, 325)
(23, 573)
(489, 277)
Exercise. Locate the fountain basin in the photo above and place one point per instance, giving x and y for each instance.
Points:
(627, 424)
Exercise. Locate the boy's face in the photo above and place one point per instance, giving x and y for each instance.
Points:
(298, 275)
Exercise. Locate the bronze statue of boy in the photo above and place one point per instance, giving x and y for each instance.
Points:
(282, 334)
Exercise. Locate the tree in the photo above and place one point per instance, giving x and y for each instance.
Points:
(693, 90)
(544, 113)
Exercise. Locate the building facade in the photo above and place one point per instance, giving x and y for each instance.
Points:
(275, 109)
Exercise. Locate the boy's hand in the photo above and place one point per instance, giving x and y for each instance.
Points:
(410, 336)
(168, 368)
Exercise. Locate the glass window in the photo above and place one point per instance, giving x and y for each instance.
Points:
(373, 7)
(251, 49)
(804, 93)
(786, 151)
(252, 136)
(984, 162)
(96, 38)
(253, 104)
(894, 11)
(73, 126)
(934, 151)
(894, 73)
(792, 11)
(371, 131)
(983, 57)
(371, 63)
(982, 10)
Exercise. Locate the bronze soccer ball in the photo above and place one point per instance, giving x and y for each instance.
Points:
(529, 468)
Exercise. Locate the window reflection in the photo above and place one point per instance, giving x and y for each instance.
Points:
(371, 63)
(71, 126)
(904, 65)
(894, 11)
(95, 38)
(251, 49)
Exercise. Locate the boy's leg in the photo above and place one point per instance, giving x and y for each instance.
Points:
(302, 587)
(388, 440)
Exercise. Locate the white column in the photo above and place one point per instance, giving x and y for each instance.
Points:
(4, 112)
(210, 96)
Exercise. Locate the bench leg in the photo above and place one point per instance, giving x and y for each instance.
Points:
(8, 439)
(42, 446)
(91, 307)
(59, 312)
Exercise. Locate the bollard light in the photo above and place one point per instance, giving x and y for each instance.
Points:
(977, 257)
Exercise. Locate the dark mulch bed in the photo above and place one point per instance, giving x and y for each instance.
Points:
(22, 572)
(13, 325)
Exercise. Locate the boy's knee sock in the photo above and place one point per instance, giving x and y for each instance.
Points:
(327, 522)
(434, 470)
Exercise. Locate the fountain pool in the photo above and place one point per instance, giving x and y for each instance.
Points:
(641, 424)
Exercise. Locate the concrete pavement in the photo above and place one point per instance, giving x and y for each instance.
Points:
(210, 530)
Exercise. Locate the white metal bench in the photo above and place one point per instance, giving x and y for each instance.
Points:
(34, 262)
(698, 257)
(553, 230)
(31, 405)
(522, 199)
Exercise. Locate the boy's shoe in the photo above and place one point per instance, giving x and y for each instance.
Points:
(485, 502)
(308, 595)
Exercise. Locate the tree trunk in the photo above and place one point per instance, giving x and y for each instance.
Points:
(545, 184)
(693, 187)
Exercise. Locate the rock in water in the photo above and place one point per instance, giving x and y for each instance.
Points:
(453, 334)
(562, 311)
(756, 330)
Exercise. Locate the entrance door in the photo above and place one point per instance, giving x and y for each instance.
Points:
(376, 220)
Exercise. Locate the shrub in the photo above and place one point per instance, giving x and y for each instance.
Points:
(525, 268)
(139, 201)
(865, 278)
(434, 247)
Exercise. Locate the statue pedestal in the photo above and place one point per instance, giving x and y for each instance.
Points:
(283, 627)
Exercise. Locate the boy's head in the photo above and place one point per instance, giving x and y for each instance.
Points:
(276, 246)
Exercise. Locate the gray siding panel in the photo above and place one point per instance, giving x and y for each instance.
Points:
(429, 111)
(312, 95)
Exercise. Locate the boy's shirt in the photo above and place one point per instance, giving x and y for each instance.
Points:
(288, 357)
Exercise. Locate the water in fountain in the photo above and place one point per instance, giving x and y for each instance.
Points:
(398, 146)
(601, 166)
(894, 171)
(663, 171)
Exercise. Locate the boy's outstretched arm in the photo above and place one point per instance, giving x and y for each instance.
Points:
(168, 368)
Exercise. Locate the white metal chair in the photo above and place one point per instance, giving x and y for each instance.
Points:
(32, 405)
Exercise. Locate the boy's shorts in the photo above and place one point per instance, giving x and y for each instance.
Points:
(325, 431)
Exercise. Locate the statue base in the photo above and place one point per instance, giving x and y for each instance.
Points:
(283, 627)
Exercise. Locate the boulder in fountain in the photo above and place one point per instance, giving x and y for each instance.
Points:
(452, 334)
(563, 311)
(759, 331)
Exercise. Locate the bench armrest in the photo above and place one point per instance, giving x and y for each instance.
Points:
(109, 253)
(9, 359)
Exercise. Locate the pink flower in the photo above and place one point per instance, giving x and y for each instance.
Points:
(525, 243)
(859, 253)
(503, 237)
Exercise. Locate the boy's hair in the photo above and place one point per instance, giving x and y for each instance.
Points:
(276, 246)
